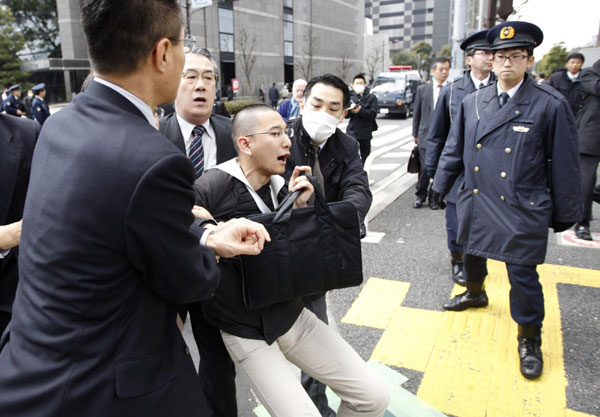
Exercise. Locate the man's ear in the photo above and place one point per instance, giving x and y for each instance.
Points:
(244, 145)
(530, 61)
(160, 54)
(345, 114)
(301, 103)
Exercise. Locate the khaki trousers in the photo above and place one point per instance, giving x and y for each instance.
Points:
(320, 352)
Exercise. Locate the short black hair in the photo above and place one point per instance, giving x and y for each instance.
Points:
(360, 76)
(439, 60)
(333, 81)
(121, 34)
(575, 55)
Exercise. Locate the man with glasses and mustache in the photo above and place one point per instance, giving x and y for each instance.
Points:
(517, 144)
(479, 60)
(206, 139)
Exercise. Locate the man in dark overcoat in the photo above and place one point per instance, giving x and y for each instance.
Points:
(588, 127)
(517, 144)
(108, 246)
(17, 141)
(479, 59)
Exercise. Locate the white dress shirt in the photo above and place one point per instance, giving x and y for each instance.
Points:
(209, 141)
(572, 77)
(436, 91)
(512, 91)
(477, 82)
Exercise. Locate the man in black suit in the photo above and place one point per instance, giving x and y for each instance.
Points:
(108, 244)
(17, 140)
(193, 112)
(425, 101)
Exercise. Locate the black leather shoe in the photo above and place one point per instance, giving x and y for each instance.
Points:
(433, 205)
(418, 203)
(583, 232)
(530, 352)
(475, 296)
(457, 269)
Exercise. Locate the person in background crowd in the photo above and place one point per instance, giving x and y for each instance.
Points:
(39, 108)
(478, 57)
(15, 160)
(261, 93)
(335, 162)
(568, 82)
(27, 100)
(206, 139)
(263, 341)
(93, 330)
(510, 193)
(11, 104)
(274, 96)
(588, 127)
(426, 99)
(362, 113)
(290, 108)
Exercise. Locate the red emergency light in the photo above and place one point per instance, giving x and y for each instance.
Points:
(400, 67)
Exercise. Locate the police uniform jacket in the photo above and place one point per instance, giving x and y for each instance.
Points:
(225, 197)
(11, 105)
(588, 118)
(570, 89)
(343, 174)
(363, 123)
(107, 250)
(17, 141)
(40, 110)
(444, 114)
(504, 208)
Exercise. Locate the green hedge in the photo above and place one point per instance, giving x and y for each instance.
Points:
(235, 106)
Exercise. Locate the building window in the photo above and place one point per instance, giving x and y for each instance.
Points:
(288, 3)
(226, 41)
(288, 29)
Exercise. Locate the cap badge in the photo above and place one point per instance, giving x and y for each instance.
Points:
(507, 32)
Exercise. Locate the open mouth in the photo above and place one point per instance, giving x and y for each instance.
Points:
(200, 100)
(282, 158)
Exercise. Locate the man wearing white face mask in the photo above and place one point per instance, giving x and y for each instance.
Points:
(362, 114)
(336, 164)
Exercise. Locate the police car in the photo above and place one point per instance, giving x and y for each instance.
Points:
(395, 90)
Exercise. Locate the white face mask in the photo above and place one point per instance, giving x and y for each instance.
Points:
(319, 125)
(359, 89)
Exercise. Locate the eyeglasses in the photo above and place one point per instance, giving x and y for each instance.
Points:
(188, 42)
(483, 53)
(501, 58)
(276, 133)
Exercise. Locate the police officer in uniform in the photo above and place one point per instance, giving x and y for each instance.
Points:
(11, 104)
(479, 59)
(517, 144)
(39, 108)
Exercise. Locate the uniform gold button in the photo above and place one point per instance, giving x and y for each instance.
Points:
(502, 197)
(476, 169)
(508, 150)
(479, 146)
(475, 191)
(503, 174)
(532, 203)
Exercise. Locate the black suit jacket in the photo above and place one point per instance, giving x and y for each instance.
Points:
(17, 140)
(107, 250)
(423, 110)
(169, 126)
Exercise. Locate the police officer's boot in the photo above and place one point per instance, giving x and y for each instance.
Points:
(475, 296)
(457, 268)
(530, 352)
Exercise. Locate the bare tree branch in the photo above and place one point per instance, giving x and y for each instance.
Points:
(246, 44)
(373, 61)
(306, 61)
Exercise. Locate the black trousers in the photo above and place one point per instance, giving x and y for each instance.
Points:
(314, 388)
(365, 149)
(588, 167)
(423, 186)
(526, 296)
(216, 370)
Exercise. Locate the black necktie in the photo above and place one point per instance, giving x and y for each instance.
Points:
(503, 98)
(481, 85)
(197, 150)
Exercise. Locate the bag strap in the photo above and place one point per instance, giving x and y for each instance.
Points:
(232, 167)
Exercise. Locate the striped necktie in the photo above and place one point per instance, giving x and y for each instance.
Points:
(197, 150)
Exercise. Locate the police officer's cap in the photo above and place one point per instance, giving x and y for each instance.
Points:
(476, 41)
(515, 35)
(38, 87)
(14, 87)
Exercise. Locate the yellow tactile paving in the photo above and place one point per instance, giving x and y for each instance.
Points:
(371, 308)
(469, 359)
